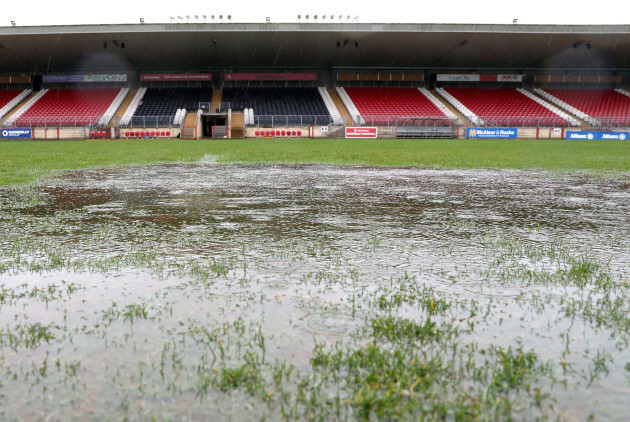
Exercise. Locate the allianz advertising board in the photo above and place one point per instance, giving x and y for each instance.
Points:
(16, 133)
(492, 133)
(590, 136)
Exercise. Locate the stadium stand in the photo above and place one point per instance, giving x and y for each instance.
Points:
(503, 107)
(288, 106)
(382, 105)
(65, 107)
(11, 98)
(158, 106)
(596, 106)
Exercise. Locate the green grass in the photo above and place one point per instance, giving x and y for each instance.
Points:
(23, 162)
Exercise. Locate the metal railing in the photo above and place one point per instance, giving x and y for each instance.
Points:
(262, 121)
(304, 121)
(146, 122)
(53, 122)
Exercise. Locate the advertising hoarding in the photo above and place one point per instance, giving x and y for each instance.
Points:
(361, 132)
(492, 133)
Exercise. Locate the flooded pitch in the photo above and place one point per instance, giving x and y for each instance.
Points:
(183, 292)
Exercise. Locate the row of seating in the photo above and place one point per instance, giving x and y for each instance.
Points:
(505, 107)
(149, 133)
(393, 102)
(281, 133)
(166, 101)
(599, 104)
(69, 107)
(277, 101)
(96, 134)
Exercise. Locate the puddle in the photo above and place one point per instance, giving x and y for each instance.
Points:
(133, 292)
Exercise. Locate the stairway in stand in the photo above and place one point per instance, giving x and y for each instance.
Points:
(17, 107)
(340, 106)
(237, 130)
(215, 102)
(189, 130)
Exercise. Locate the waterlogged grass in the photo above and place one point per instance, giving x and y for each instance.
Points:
(352, 303)
(23, 162)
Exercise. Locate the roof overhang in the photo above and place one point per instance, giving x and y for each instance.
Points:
(233, 46)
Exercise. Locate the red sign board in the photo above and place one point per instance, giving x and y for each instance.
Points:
(361, 132)
(271, 76)
(162, 77)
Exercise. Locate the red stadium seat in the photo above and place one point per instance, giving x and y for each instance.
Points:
(284, 133)
(505, 106)
(299, 133)
(142, 133)
(137, 133)
(267, 133)
(152, 133)
(168, 133)
(127, 133)
(163, 133)
(72, 106)
(92, 134)
(293, 133)
(257, 133)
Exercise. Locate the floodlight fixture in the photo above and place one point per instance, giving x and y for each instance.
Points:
(268, 19)
(12, 23)
(515, 21)
(141, 20)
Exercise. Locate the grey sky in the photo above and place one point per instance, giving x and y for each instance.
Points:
(63, 12)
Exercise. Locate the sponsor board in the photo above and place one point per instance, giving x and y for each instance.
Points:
(271, 76)
(176, 77)
(63, 78)
(459, 77)
(361, 132)
(455, 77)
(509, 78)
(494, 133)
(16, 133)
(84, 78)
(598, 136)
(106, 78)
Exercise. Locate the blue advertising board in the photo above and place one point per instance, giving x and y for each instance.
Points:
(620, 136)
(478, 133)
(16, 133)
